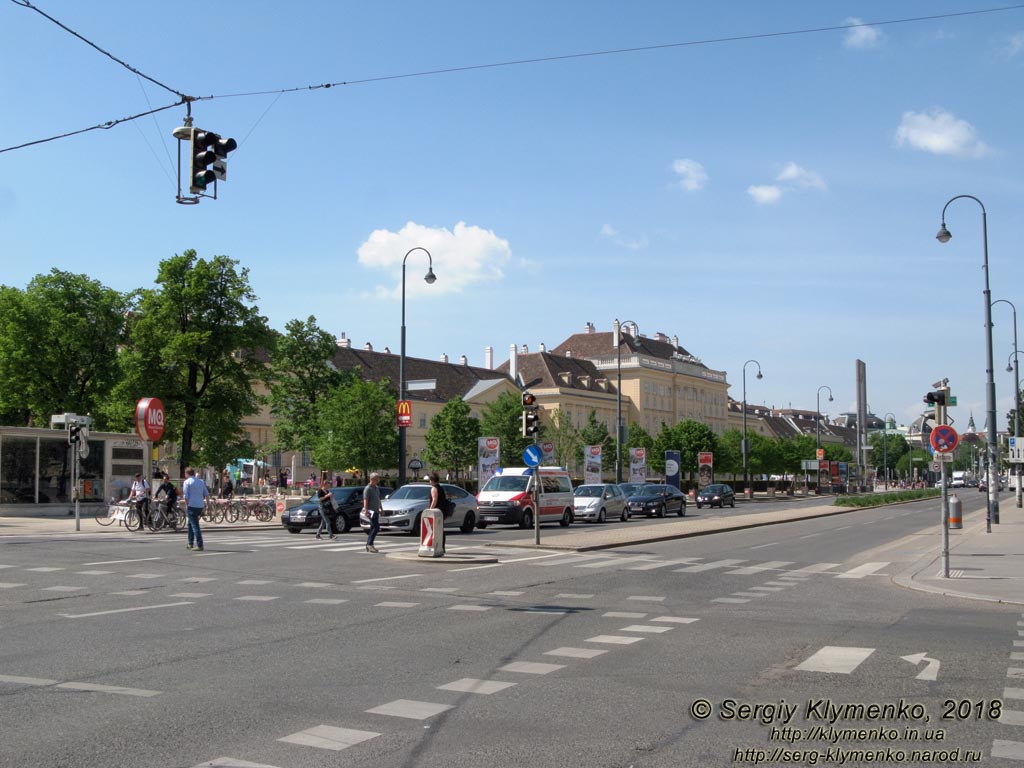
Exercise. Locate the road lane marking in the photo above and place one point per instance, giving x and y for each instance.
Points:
(257, 598)
(395, 605)
(477, 567)
(534, 557)
(735, 600)
(9, 585)
(115, 689)
(662, 564)
(143, 575)
(131, 593)
(326, 601)
(26, 680)
(765, 589)
(254, 582)
(531, 667)
(861, 571)
(322, 736)
(44, 569)
(648, 628)
(191, 595)
(762, 546)
(810, 535)
(675, 619)
(613, 639)
(576, 653)
(750, 594)
(646, 598)
(440, 589)
(412, 710)
(469, 607)
(1011, 717)
(111, 562)
(507, 593)
(623, 615)
(94, 573)
(750, 570)
(1013, 693)
(388, 578)
(121, 610)
(835, 659)
(472, 685)
(816, 568)
(709, 566)
(613, 561)
(573, 596)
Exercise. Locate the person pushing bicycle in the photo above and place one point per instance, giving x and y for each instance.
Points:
(139, 496)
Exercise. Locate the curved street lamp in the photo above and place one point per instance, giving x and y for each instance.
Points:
(943, 236)
(430, 278)
(618, 393)
(885, 445)
(1016, 394)
(817, 412)
(746, 445)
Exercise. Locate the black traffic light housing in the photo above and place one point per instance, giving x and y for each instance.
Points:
(936, 398)
(531, 415)
(74, 433)
(208, 159)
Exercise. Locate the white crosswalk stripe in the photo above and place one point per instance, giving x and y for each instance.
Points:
(709, 566)
(835, 659)
(861, 571)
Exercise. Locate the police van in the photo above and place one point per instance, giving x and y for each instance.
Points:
(510, 497)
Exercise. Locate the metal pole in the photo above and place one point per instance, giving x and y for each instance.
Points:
(746, 444)
(1016, 398)
(430, 278)
(618, 404)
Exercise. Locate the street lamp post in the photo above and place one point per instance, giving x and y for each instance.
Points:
(618, 393)
(817, 413)
(746, 445)
(944, 236)
(1016, 395)
(430, 277)
(885, 446)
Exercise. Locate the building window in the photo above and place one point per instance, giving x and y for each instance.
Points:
(423, 421)
(306, 461)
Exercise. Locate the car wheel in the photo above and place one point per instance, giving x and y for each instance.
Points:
(732, 503)
(293, 529)
(624, 517)
(481, 526)
(527, 521)
(698, 505)
(566, 520)
(682, 509)
(601, 516)
(415, 527)
(468, 522)
(345, 524)
(661, 511)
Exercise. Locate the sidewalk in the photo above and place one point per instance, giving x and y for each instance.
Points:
(34, 526)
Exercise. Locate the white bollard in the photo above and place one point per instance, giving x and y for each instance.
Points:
(431, 533)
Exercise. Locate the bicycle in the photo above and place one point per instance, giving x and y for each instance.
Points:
(137, 515)
(115, 512)
(160, 516)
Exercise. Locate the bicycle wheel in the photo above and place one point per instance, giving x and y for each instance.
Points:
(132, 520)
(209, 514)
(106, 518)
(230, 512)
(271, 508)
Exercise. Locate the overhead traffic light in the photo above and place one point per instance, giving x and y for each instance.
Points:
(936, 398)
(531, 415)
(208, 159)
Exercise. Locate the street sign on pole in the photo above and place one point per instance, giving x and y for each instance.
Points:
(532, 455)
(944, 438)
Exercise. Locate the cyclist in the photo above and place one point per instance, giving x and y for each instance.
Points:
(140, 497)
(168, 494)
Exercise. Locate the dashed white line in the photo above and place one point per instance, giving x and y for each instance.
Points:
(531, 667)
(472, 685)
(322, 736)
(121, 610)
(413, 710)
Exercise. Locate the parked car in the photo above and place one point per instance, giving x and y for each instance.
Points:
(510, 497)
(655, 499)
(402, 509)
(628, 489)
(716, 495)
(598, 502)
(348, 502)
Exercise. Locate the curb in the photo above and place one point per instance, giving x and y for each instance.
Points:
(413, 557)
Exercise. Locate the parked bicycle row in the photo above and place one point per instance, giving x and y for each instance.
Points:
(157, 514)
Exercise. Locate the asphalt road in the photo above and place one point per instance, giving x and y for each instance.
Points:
(271, 649)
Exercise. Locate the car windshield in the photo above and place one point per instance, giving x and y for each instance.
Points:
(629, 488)
(589, 490)
(507, 483)
(412, 492)
(345, 494)
(651, 490)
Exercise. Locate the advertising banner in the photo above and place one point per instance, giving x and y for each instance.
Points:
(488, 458)
(591, 464)
(844, 473)
(637, 465)
(547, 450)
(672, 468)
(824, 476)
(705, 469)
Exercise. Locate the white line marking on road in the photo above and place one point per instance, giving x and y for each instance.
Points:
(191, 595)
(9, 585)
(1013, 693)
(26, 680)
(254, 582)
(810, 535)
(1011, 717)
(750, 594)
(841, 528)
(709, 566)
(675, 619)
(395, 605)
(231, 762)
(534, 557)
(314, 584)
(325, 737)
(531, 667)
(115, 689)
(816, 568)
(131, 593)
(765, 589)
(413, 710)
(121, 610)
(62, 589)
(477, 567)
(750, 570)
(44, 569)
(1015, 672)
(143, 575)
(257, 598)
(472, 685)
(573, 596)
(1009, 750)
(836, 659)
(538, 609)
(734, 600)
(440, 589)
(576, 653)
(7, 566)
(782, 584)
(662, 564)
(650, 629)
(94, 573)
(1017, 656)
(111, 562)
(469, 607)
(388, 578)
(861, 571)
(326, 601)
(613, 639)
(199, 579)
(623, 615)
(762, 546)
(612, 561)
(507, 593)
(1018, 643)
(216, 554)
(647, 598)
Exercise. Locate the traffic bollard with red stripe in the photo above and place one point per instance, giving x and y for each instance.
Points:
(431, 533)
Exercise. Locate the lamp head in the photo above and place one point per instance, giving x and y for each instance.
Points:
(830, 398)
(759, 375)
(1009, 367)
(943, 236)
(430, 277)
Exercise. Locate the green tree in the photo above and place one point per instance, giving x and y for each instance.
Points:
(503, 419)
(886, 450)
(58, 347)
(836, 452)
(694, 437)
(301, 376)
(197, 342)
(596, 433)
(729, 454)
(357, 427)
(451, 441)
(566, 439)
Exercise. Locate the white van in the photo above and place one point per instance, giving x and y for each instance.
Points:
(509, 497)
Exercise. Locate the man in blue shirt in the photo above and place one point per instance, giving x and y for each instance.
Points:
(195, 493)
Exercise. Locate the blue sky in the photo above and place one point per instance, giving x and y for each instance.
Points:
(773, 198)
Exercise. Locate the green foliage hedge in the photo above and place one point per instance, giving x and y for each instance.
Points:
(880, 499)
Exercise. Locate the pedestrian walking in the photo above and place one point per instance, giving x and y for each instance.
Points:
(323, 495)
(227, 488)
(196, 493)
(140, 497)
(372, 509)
(438, 498)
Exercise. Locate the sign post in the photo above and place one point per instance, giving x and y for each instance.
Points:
(532, 457)
(943, 440)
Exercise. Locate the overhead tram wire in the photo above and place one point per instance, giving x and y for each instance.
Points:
(472, 67)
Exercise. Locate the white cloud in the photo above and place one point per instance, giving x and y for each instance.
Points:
(461, 257)
(800, 177)
(941, 133)
(861, 37)
(766, 194)
(692, 175)
(611, 233)
(1016, 45)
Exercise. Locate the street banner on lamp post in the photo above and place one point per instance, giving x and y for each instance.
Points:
(591, 464)
(637, 465)
(488, 458)
(705, 469)
(673, 469)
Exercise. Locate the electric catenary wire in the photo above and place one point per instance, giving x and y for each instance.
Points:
(494, 65)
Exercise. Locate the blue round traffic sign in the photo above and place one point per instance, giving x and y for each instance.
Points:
(532, 455)
(944, 438)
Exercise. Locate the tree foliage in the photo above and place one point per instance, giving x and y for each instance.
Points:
(503, 419)
(566, 439)
(451, 441)
(596, 433)
(356, 427)
(58, 347)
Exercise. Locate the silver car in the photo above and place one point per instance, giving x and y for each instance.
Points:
(598, 502)
(402, 509)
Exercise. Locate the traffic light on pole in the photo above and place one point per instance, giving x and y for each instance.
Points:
(201, 156)
(936, 398)
(531, 415)
(74, 433)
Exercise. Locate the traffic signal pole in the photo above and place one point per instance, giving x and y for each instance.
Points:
(940, 408)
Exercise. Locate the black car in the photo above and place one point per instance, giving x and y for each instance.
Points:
(716, 495)
(655, 499)
(348, 502)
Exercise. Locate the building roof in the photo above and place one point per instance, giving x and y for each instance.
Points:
(547, 370)
(596, 344)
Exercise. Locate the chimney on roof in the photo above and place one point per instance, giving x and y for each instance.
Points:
(568, 353)
(590, 327)
(387, 350)
(526, 350)
(489, 358)
(513, 363)
(343, 342)
(368, 347)
(463, 360)
(444, 357)
(542, 348)
(675, 342)
(659, 336)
